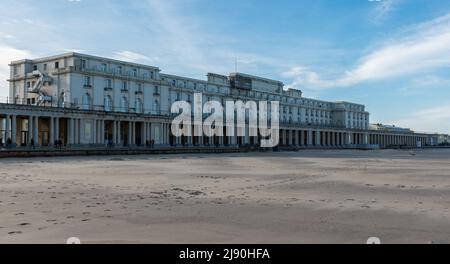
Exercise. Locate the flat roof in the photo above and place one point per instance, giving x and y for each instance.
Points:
(75, 54)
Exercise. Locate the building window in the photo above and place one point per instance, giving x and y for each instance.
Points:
(124, 86)
(134, 72)
(108, 83)
(45, 67)
(156, 105)
(124, 104)
(139, 107)
(86, 102)
(34, 67)
(104, 67)
(139, 87)
(151, 75)
(57, 65)
(83, 64)
(87, 81)
(108, 103)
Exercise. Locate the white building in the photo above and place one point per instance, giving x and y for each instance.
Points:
(88, 100)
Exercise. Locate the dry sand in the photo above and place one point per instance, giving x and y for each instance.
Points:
(337, 196)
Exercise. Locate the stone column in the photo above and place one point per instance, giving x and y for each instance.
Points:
(94, 131)
(114, 139)
(190, 139)
(70, 129)
(328, 138)
(14, 130)
(133, 141)
(221, 141)
(77, 131)
(30, 129)
(36, 131)
(302, 138)
(52, 131)
(348, 138)
(161, 130)
(7, 128)
(318, 138)
(102, 131)
(246, 138)
(297, 138)
(144, 133)
(310, 138)
(57, 128)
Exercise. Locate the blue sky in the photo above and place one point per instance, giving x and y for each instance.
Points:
(391, 55)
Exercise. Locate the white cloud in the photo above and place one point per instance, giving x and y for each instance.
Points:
(126, 55)
(437, 118)
(430, 80)
(8, 54)
(422, 48)
(382, 10)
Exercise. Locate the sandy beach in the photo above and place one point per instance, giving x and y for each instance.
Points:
(311, 196)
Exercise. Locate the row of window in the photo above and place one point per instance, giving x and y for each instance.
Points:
(123, 84)
(104, 67)
(108, 104)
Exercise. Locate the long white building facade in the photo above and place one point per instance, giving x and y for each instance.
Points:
(90, 101)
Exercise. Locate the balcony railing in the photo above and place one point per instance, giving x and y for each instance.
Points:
(82, 107)
(113, 73)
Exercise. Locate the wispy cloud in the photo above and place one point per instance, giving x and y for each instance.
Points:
(437, 118)
(126, 55)
(421, 48)
(8, 54)
(382, 10)
(180, 36)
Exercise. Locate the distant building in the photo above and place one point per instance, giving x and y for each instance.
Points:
(390, 128)
(443, 139)
(86, 100)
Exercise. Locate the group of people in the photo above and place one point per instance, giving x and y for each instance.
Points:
(8, 142)
(150, 143)
(58, 144)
